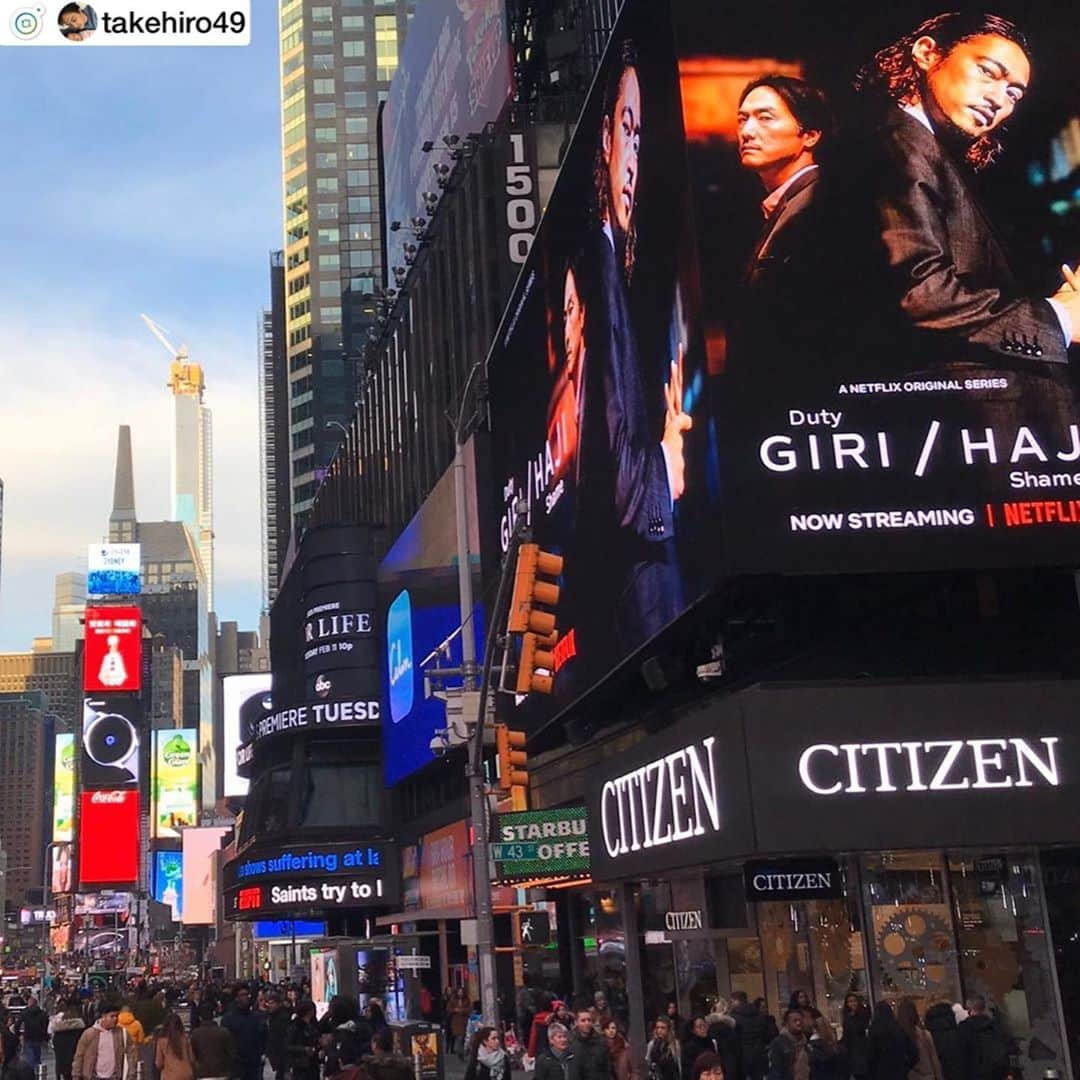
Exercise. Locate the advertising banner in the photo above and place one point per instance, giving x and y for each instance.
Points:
(110, 741)
(454, 78)
(60, 871)
(64, 789)
(169, 881)
(108, 838)
(175, 781)
(805, 356)
(446, 877)
(198, 890)
(113, 570)
(113, 650)
(235, 691)
(541, 843)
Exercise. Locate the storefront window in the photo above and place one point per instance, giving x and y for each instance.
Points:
(1004, 956)
(657, 956)
(910, 927)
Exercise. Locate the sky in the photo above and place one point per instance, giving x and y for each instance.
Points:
(135, 180)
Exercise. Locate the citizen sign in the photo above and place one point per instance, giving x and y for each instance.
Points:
(684, 920)
(670, 799)
(940, 765)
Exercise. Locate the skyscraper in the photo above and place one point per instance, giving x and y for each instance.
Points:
(337, 59)
(274, 432)
(1, 518)
(68, 607)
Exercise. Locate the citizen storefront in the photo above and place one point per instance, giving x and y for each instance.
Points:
(883, 840)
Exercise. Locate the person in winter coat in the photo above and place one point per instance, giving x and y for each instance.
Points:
(986, 1050)
(302, 1047)
(663, 1055)
(132, 1026)
(788, 1056)
(695, 1042)
(941, 1024)
(708, 1067)
(487, 1058)
(35, 1032)
(827, 1059)
(104, 1050)
(65, 1028)
(589, 1047)
(278, 1019)
(538, 1033)
(457, 1020)
(247, 1029)
(890, 1053)
(853, 1038)
(623, 1065)
(927, 1067)
(723, 1033)
(173, 1057)
(752, 1032)
(212, 1047)
(556, 1061)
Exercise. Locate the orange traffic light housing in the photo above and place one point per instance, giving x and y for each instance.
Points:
(531, 592)
(510, 749)
(537, 651)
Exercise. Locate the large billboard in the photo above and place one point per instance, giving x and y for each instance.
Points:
(808, 351)
(108, 838)
(175, 781)
(110, 741)
(235, 691)
(113, 650)
(454, 78)
(113, 570)
(169, 881)
(64, 789)
(198, 889)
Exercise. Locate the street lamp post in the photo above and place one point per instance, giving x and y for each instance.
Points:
(45, 919)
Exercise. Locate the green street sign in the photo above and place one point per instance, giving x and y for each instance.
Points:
(540, 843)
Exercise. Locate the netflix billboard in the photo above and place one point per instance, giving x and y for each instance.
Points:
(113, 651)
(108, 838)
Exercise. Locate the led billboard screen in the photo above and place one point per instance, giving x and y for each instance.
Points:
(64, 789)
(198, 891)
(453, 78)
(169, 881)
(113, 650)
(175, 781)
(113, 569)
(110, 741)
(60, 871)
(108, 838)
(235, 690)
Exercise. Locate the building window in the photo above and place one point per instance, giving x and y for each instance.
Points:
(323, 62)
(361, 259)
(329, 262)
(292, 64)
(357, 152)
(322, 14)
(359, 204)
(354, 49)
(329, 289)
(361, 286)
(386, 46)
(352, 22)
(356, 99)
(329, 236)
(358, 178)
(325, 110)
(326, 184)
(327, 160)
(361, 231)
(356, 125)
(326, 211)
(322, 37)
(290, 41)
(325, 134)
(356, 74)
(330, 316)
(295, 158)
(322, 86)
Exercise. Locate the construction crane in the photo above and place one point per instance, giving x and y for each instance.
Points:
(184, 376)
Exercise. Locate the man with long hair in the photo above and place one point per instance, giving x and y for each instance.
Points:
(941, 96)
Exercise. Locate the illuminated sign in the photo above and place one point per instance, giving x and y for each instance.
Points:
(939, 765)
(113, 649)
(169, 881)
(175, 781)
(283, 896)
(113, 569)
(536, 843)
(320, 860)
(399, 656)
(108, 838)
(792, 879)
(64, 788)
(329, 629)
(61, 869)
(316, 714)
(110, 741)
(249, 899)
(200, 848)
(684, 920)
(236, 692)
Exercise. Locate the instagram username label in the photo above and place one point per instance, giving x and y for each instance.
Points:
(136, 22)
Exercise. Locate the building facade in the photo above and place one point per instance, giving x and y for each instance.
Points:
(55, 674)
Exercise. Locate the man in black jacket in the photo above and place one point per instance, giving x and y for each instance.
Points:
(35, 1032)
(556, 1062)
(986, 1052)
(277, 1035)
(591, 1060)
(752, 1031)
(248, 1031)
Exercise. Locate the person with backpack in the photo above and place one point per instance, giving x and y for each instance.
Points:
(986, 1051)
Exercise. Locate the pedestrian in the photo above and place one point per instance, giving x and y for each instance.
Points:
(752, 1032)
(35, 1032)
(827, 1059)
(674, 1019)
(695, 1042)
(65, 1029)
(554, 1062)
(173, 1056)
(623, 1066)
(487, 1058)
(458, 1021)
(131, 1026)
(382, 1063)
(248, 1033)
(788, 1058)
(600, 1010)
(890, 1053)
(212, 1047)
(800, 999)
(854, 1038)
(941, 1023)
(927, 1067)
(349, 1062)
(708, 1067)
(104, 1052)
(538, 1033)
(302, 1048)
(724, 1034)
(589, 1047)
(277, 1034)
(986, 1051)
(663, 1055)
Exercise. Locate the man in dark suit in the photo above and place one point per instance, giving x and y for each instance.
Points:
(785, 317)
(942, 94)
(629, 479)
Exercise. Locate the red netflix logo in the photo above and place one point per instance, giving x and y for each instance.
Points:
(113, 652)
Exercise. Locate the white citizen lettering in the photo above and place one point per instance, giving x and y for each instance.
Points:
(952, 752)
(993, 761)
(854, 784)
(804, 769)
(915, 766)
(1047, 768)
(682, 822)
(704, 788)
(660, 837)
(611, 844)
(881, 749)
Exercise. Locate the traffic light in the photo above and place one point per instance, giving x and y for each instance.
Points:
(513, 779)
(537, 651)
(530, 590)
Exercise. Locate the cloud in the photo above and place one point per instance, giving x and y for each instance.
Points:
(67, 390)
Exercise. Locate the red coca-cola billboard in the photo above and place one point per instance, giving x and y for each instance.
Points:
(108, 838)
(112, 657)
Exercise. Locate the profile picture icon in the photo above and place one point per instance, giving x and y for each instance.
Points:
(77, 21)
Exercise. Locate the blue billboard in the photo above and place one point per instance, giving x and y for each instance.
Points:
(169, 881)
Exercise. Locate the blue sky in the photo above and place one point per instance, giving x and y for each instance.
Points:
(135, 180)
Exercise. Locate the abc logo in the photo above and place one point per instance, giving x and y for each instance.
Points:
(26, 23)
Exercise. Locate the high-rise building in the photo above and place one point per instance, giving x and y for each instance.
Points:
(69, 604)
(1, 518)
(54, 674)
(26, 739)
(337, 59)
(274, 432)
